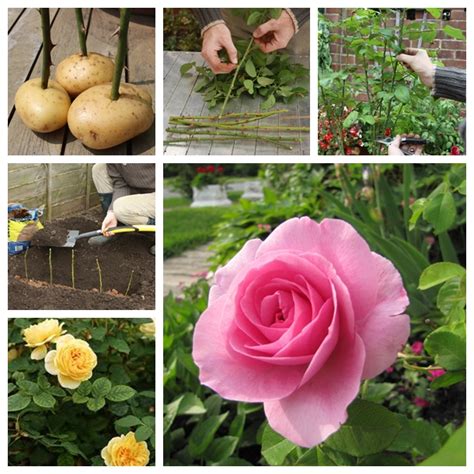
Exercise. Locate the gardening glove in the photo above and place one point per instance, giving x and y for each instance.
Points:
(109, 221)
(395, 149)
(420, 63)
(275, 34)
(214, 39)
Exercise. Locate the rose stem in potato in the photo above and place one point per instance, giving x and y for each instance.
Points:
(121, 52)
(47, 47)
(81, 30)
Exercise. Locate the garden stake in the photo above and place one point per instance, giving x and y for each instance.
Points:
(129, 283)
(81, 30)
(73, 274)
(229, 92)
(25, 263)
(50, 266)
(121, 52)
(100, 274)
(47, 47)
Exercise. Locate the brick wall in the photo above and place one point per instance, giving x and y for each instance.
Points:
(452, 52)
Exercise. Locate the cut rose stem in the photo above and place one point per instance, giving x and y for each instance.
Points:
(230, 134)
(231, 88)
(212, 138)
(47, 47)
(261, 115)
(236, 125)
(81, 30)
(121, 52)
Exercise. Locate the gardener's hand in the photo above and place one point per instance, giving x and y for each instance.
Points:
(218, 37)
(275, 34)
(109, 221)
(396, 149)
(420, 63)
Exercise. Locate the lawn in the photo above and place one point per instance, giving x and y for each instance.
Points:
(186, 228)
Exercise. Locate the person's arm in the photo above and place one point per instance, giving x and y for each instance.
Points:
(299, 16)
(450, 83)
(207, 17)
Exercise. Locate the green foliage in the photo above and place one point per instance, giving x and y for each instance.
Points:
(50, 425)
(453, 453)
(181, 31)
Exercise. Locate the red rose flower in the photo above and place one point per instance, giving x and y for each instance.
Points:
(201, 169)
(323, 145)
(455, 150)
(220, 169)
(211, 168)
(354, 131)
(388, 132)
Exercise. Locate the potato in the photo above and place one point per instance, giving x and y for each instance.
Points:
(99, 122)
(42, 110)
(77, 73)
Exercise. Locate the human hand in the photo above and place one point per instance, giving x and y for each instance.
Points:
(218, 37)
(395, 148)
(420, 63)
(274, 34)
(109, 221)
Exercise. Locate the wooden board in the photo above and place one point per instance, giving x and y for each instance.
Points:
(180, 99)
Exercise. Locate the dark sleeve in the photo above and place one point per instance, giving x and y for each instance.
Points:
(120, 187)
(450, 83)
(206, 15)
(301, 15)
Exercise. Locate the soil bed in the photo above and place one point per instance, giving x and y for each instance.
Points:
(117, 259)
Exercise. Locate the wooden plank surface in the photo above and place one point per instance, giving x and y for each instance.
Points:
(13, 15)
(25, 61)
(179, 99)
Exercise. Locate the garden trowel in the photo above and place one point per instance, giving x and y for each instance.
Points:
(74, 235)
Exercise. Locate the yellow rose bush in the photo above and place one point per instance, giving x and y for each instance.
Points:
(86, 397)
(39, 336)
(125, 450)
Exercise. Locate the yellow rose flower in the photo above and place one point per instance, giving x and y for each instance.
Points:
(39, 335)
(73, 361)
(126, 451)
(147, 329)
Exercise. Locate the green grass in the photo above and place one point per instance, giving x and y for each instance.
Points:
(186, 228)
(172, 202)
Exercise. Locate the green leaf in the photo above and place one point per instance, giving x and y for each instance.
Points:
(119, 345)
(43, 382)
(120, 393)
(275, 13)
(221, 448)
(254, 18)
(56, 391)
(44, 400)
(378, 392)
(28, 387)
(350, 119)
(455, 33)
(439, 273)
(128, 421)
(78, 398)
(448, 379)
(171, 411)
(248, 84)
(441, 212)
(98, 333)
(264, 81)
(447, 345)
(367, 119)
(18, 402)
(191, 405)
(84, 389)
(275, 448)
(186, 67)
(203, 434)
(369, 429)
(402, 93)
(149, 421)
(452, 453)
(452, 295)
(237, 426)
(143, 433)
(95, 404)
(417, 210)
(435, 12)
(268, 103)
(250, 68)
(65, 459)
(101, 387)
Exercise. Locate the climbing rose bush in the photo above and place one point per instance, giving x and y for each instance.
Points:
(73, 361)
(125, 450)
(298, 321)
(38, 336)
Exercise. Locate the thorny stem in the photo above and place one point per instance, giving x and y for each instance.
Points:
(421, 369)
(201, 139)
(214, 133)
(194, 123)
(100, 274)
(81, 30)
(25, 263)
(229, 92)
(404, 356)
(260, 115)
(73, 271)
(129, 283)
(50, 260)
(47, 47)
(121, 52)
(237, 126)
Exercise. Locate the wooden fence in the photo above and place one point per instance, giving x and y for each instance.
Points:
(64, 189)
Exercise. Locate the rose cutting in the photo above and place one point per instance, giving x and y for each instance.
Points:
(298, 321)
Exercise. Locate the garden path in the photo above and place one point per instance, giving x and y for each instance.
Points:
(185, 269)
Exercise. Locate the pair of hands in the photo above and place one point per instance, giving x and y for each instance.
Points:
(270, 36)
(395, 148)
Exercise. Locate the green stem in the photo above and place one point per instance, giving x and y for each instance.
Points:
(100, 274)
(237, 126)
(81, 30)
(229, 92)
(376, 174)
(203, 139)
(197, 123)
(129, 283)
(50, 261)
(213, 133)
(260, 115)
(364, 389)
(121, 52)
(47, 47)
(25, 262)
(73, 270)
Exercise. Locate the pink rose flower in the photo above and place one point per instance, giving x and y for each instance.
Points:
(421, 402)
(297, 321)
(417, 347)
(435, 373)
